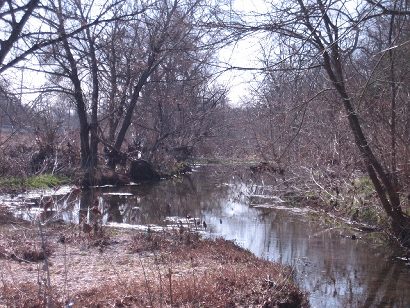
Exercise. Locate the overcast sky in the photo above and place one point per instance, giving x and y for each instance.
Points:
(244, 53)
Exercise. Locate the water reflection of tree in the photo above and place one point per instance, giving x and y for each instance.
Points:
(332, 267)
(86, 200)
(112, 209)
(382, 292)
(122, 208)
(153, 203)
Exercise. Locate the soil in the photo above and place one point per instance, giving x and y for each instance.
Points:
(61, 265)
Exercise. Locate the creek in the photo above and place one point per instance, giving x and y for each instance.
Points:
(336, 270)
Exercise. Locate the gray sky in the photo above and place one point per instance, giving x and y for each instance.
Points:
(244, 53)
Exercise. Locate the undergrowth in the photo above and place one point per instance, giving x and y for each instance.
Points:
(156, 269)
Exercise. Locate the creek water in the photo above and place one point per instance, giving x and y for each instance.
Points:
(334, 269)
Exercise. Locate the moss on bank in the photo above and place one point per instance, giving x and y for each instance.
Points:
(32, 182)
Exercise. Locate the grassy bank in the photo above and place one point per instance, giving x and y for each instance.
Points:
(120, 268)
(32, 182)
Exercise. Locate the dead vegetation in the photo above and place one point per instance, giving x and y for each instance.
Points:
(123, 268)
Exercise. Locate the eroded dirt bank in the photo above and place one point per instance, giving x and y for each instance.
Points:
(128, 268)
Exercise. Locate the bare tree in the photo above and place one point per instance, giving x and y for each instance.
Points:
(168, 27)
(184, 101)
(13, 19)
(106, 67)
(329, 33)
(23, 32)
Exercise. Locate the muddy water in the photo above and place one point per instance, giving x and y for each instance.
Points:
(334, 269)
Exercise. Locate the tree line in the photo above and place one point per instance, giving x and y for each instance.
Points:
(334, 89)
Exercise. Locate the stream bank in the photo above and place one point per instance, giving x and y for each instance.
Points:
(334, 268)
(122, 267)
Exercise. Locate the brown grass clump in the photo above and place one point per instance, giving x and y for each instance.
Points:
(151, 241)
(23, 245)
(19, 241)
(6, 217)
(27, 295)
(30, 252)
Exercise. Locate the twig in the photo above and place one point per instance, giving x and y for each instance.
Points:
(320, 186)
(147, 283)
(46, 267)
(170, 285)
(160, 279)
(66, 294)
(194, 279)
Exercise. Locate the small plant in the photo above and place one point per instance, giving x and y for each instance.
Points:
(364, 185)
(45, 180)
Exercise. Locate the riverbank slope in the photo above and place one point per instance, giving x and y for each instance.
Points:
(69, 265)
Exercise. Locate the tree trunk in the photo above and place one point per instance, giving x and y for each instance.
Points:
(78, 96)
(94, 104)
(384, 186)
(332, 62)
(130, 111)
(6, 44)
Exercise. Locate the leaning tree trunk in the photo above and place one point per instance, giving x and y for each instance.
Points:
(384, 185)
(116, 149)
(332, 62)
(78, 96)
(93, 161)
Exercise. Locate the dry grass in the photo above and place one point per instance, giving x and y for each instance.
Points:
(197, 273)
(5, 216)
(19, 241)
(138, 269)
(26, 295)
